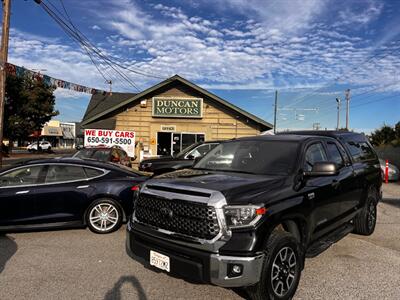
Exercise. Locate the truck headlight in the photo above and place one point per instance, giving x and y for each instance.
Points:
(239, 216)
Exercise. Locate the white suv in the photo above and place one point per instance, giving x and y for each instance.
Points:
(44, 146)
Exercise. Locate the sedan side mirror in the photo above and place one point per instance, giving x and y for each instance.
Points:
(322, 168)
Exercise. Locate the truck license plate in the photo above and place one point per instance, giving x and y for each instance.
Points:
(159, 260)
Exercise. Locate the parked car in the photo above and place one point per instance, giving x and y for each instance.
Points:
(252, 209)
(393, 171)
(67, 192)
(43, 146)
(106, 154)
(183, 159)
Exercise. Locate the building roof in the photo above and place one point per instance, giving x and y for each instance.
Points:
(101, 105)
(101, 102)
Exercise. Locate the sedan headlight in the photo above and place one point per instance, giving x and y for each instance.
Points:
(239, 216)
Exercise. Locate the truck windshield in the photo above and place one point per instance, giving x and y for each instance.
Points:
(255, 157)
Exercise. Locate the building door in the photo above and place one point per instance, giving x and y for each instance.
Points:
(172, 143)
(164, 143)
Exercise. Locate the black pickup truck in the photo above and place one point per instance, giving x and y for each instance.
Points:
(250, 211)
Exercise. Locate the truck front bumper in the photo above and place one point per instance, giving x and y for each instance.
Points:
(195, 265)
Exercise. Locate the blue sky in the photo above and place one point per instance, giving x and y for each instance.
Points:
(242, 50)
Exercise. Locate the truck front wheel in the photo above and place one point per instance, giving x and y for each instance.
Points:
(281, 268)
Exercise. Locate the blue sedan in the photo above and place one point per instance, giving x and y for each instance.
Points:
(67, 192)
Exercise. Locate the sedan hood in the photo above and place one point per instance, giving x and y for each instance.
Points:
(160, 159)
(236, 187)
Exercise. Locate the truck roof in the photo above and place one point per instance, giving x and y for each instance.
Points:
(283, 137)
(337, 134)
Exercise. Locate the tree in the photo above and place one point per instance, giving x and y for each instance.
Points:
(29, 104)
(397, 130)
(384, 135)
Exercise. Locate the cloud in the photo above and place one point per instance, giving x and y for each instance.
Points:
(353, 15)
(96, 27)
(258, 51)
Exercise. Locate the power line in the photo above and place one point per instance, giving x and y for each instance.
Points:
(113, 60)
(75, 36)
(339, 77)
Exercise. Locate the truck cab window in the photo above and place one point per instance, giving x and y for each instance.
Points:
(334, 154)
(315, 153)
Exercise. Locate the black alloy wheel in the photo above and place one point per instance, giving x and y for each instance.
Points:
(281, 269)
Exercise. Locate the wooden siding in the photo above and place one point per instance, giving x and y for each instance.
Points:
(217, 123)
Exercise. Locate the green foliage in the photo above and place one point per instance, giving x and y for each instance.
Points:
(29, 104)
(397, 130)
(385, 135)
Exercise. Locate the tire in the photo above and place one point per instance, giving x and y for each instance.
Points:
(104, 216)
(279, 245)
(365, 221)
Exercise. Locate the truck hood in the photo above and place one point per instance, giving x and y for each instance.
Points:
(236, 187)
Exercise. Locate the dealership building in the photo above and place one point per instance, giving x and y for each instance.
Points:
(170, 116)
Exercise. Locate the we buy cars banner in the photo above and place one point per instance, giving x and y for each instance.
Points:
(109, 138)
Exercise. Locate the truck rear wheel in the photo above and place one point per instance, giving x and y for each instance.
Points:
(365, 221)
(281, 269)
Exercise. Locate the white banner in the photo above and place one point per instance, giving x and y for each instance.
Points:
(109, 138)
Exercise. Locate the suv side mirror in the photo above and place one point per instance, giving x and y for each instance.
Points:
(190, 156)
(322, 168)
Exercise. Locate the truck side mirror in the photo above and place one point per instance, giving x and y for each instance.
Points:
(322, 168)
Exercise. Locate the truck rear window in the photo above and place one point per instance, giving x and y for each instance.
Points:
(360, 151)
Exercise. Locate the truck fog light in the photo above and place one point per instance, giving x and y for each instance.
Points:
(235, 270)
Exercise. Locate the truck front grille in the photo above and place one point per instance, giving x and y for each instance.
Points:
(179, 216)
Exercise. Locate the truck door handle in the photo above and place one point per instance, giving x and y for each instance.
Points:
(335, 184)
(82, 187)
(22, 192)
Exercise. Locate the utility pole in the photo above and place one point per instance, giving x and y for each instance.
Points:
(338, 113)
(275, 109)
(3, 59)
(110, 83)
(347, 107)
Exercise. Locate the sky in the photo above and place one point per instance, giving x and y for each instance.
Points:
(311, 51)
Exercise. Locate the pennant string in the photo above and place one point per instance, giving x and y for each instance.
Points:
(48, 80)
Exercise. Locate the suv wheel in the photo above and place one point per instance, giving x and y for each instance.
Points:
(281, 269)
(365, 221)
(104, 216)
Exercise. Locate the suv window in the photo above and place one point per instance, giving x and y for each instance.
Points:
(115, 158)
(123, 155)
(315, 153)
(22, 176)
(61, 173)
(199, 151)
(334, 154)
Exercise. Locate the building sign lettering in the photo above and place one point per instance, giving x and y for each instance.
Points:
(177, 107)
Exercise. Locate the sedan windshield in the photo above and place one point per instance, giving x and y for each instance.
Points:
(255, 157)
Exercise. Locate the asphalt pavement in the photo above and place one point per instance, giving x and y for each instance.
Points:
(77, 264)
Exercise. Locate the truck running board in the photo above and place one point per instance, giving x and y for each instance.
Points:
(325, 242)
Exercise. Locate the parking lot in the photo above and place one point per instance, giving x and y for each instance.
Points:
(77, 264)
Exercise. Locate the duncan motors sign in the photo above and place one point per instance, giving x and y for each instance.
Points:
(171, 107)
(109, 138)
